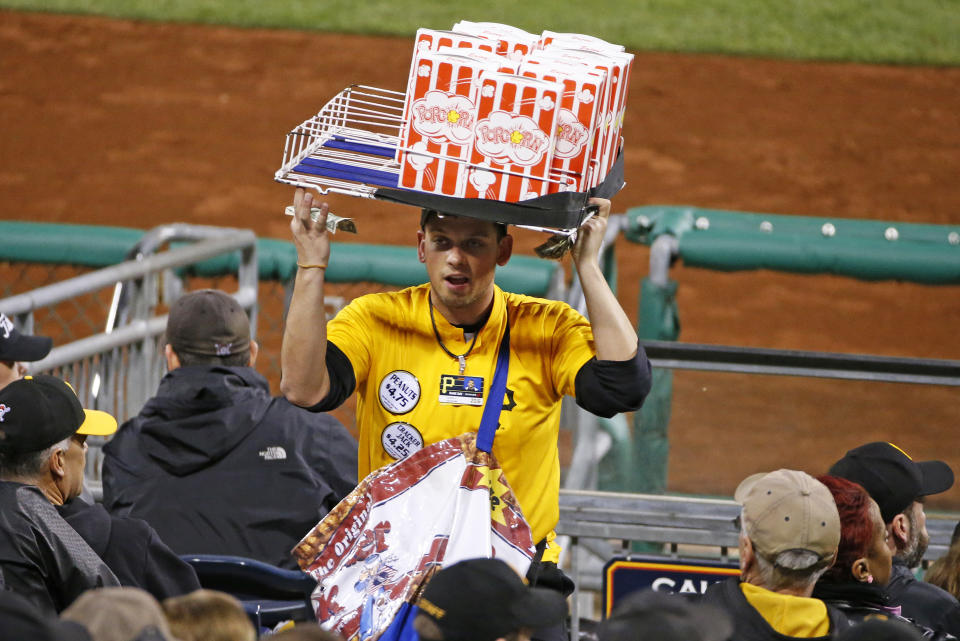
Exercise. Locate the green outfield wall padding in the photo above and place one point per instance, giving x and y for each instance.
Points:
(98, 246)
(66, 244)
(863, 249)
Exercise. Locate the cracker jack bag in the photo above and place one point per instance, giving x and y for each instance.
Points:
(376, 550)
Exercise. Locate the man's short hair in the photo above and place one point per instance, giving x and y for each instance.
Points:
(426, 215)
(208, 327)
(791, 518)
(28, 465)
(209, 615)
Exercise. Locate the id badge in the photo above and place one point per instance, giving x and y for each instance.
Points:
(456, 389)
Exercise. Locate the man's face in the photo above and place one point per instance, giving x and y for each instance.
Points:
(11, 371)
(74, 462)
(916, 547)
(879, 556)
(461, 255)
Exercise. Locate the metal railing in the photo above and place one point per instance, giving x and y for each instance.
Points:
(118, 369)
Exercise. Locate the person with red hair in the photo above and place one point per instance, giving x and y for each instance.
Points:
(856, 582)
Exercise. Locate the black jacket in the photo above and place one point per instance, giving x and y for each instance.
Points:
(218, 466)
(132, 550)
(860, 601)
(922, 602)
(41, 557)
(748, 624)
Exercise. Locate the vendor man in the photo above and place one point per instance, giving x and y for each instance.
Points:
(412, 355)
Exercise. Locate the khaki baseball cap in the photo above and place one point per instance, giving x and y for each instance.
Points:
(789, 510)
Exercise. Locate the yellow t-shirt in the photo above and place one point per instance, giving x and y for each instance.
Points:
(410, 393)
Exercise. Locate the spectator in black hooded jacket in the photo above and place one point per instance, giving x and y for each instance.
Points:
(215, 463)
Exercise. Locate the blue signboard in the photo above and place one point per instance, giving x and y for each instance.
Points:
(621, 576)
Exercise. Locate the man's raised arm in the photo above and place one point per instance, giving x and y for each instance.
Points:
(614, 337)
(304, 378)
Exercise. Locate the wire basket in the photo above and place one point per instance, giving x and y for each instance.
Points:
(352, 145)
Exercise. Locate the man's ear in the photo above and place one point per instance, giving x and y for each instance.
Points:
(57, 464)
(254, 350)
(504, 250)
(900, 530)
(747, 556)
(421, 246)
(173, 361)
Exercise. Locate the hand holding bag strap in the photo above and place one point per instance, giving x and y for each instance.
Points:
(498, 389)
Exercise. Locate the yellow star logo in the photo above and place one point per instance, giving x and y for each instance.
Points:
(491, 480)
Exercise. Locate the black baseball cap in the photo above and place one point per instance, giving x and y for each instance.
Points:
(891, 477)
(484, 599)
(208, 322)
(649, 614)
(38, 411)
(15, 346)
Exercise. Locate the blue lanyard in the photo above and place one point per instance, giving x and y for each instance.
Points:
(498, 389)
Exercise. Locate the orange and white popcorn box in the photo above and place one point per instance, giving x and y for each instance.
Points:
(513, 144)
(433, 40)
(511, 42)
(617, 67)
(437, 137)
(578, 121)
(428, 40)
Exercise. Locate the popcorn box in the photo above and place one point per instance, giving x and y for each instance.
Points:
(428, 40)
(616, 65)
(511, 42)
(432, 40)
(513, 144)
(437, 137)
(578, 121)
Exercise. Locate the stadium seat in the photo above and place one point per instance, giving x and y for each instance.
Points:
(269, 594)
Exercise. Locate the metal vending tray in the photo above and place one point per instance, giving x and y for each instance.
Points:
(350, 147)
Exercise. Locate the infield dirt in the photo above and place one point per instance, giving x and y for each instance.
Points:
(139, 124)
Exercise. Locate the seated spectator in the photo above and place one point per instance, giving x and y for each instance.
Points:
(945, 571)
(120, 614)
(213, 462)
(856, 582)
(208, 615)
(20, 619)
(41, 557)
(789, 534)
(17, 349)
(484, 600)
(648, 615)
(130, 547)
(898, 484)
